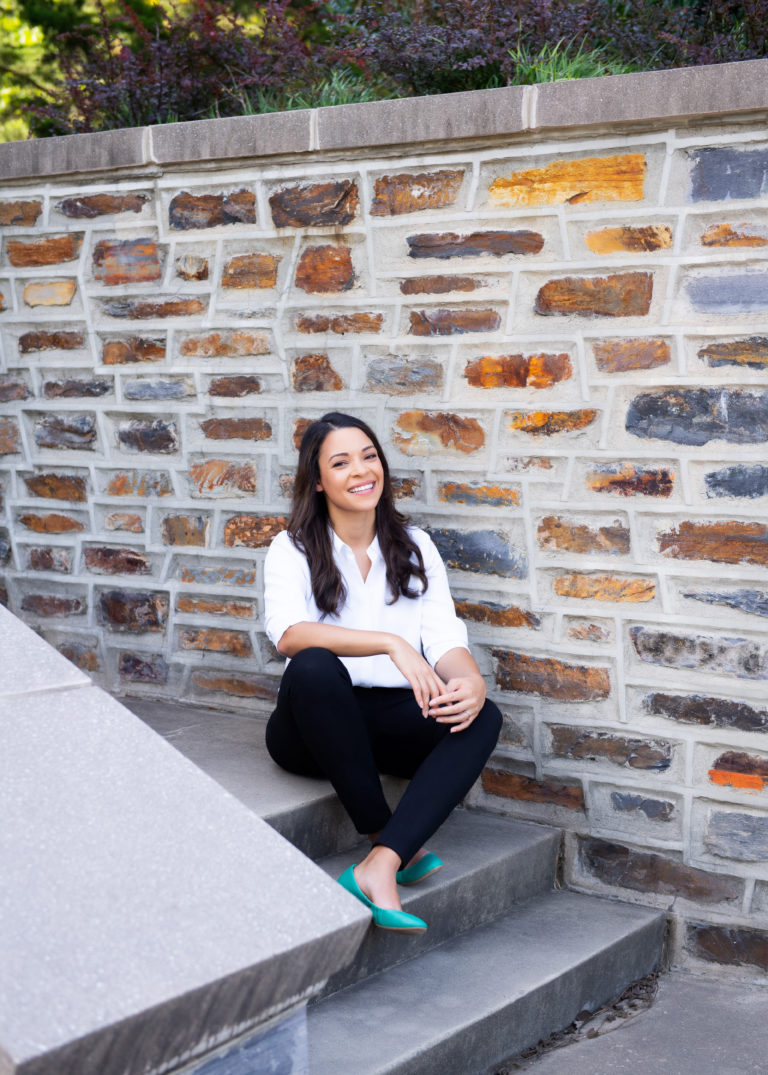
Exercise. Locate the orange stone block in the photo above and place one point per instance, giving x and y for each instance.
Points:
(752, 353)
(591, 179)
(131, 261)
(527, 789)
(58, 487)
(10, 436)
(253, 531)
(630, 480)
(545, 423)
(496, 615)
(236, 429)
(628, 238)
(617, 356)
(561, 535)
(341, 323)
(13, 214)
(492, 495)
(453, 322)
(551, 678)
(52, 523)
(124, 520)
(49, 251)
(251, 271)
(136, 349)
(217, 640)
(518, 371)
(221, 475)
(620, 295)
(325, 270)
(406, 193)
(241, 686)
(604, 588)
(50, 293)
(726, 542)
(226, 345)
(421, 433)
(438, 285)
(743, 781)
(214, 606)
(749, 235)
(314, 373)
(185, 530)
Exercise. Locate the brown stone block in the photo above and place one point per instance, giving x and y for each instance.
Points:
(587, 744)
(629, 238)
(752, 353)
(49, 251)
(226, 345)
(402, 488)
(143, 309)
(550, 678)
(124, 520)
(88, 206)
(253, 531)
(223, 476)
(190, 211)
(496, 496)
(315, 205)
(129, 261)
(46, 558)
(58, 487)
(325, 270)
(10, 436)
(620, 295)
(215, 606)
(234, 387)
(46, 604)
(300, 426)
(526, 789)
(133, 611)
(736, 769)
(545, 423)
(236, 429)
(453, 322)
(341, 323)
(497, 615)
(591, 179)
(644, 871)
(735, 235)
(185, 530)
(136, 349)
(438, 285)
(726, 542)
(83, 654)
(604, 587)
(314, 373)
(143, 667)
(140, 436)
(589, 632)
(12, 388)
(30, 342)
(518, 371)
(618, 356)
(50, 293)
(140, 483)
(242, 686)
(77, 389)
(104, 560)
(76, 432)
(20, 213)
(421, 432)
(217, 640)
(563, 535)
(407, 193)
(52, 523)
(710, 712)
(479, 244)
(192, 267)
(728, 944)
(251, 271)
(628, 479)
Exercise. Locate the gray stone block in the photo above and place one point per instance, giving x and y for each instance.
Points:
(648, 97)
(146, 915)
(101, 152)
(29, 664)
(230, 138)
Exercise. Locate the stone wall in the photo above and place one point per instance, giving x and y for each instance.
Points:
(551, 303)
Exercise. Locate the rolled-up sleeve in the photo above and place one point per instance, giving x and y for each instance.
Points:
(287, 588)
(441, 628)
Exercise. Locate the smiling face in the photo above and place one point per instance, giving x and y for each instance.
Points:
(351, 474)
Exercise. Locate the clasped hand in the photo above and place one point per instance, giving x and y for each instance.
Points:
(456, 702)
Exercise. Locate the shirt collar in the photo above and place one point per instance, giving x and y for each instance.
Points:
(341, 548)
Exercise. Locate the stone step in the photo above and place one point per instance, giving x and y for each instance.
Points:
(490, 865)
(488, 993)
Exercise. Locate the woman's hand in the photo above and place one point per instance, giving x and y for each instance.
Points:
(460, 702)
(424, 680)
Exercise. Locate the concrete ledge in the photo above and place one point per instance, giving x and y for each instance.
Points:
(651, 98)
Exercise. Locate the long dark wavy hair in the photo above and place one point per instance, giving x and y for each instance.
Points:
(309, 527)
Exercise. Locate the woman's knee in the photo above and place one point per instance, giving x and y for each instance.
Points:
(314, 665)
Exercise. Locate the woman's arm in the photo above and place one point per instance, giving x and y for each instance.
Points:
(348, 642)
(464, 694)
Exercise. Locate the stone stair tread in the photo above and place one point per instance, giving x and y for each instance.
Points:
(488, 993)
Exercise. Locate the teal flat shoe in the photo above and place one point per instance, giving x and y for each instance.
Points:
(400, 921)
(425, 867)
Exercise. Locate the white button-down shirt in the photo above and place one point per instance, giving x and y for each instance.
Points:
(429, 621)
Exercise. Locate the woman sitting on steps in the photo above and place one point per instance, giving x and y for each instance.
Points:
(380, 679)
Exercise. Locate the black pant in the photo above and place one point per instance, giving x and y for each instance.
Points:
(323, 726)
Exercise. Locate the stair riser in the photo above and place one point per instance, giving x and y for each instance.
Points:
(453, 905)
